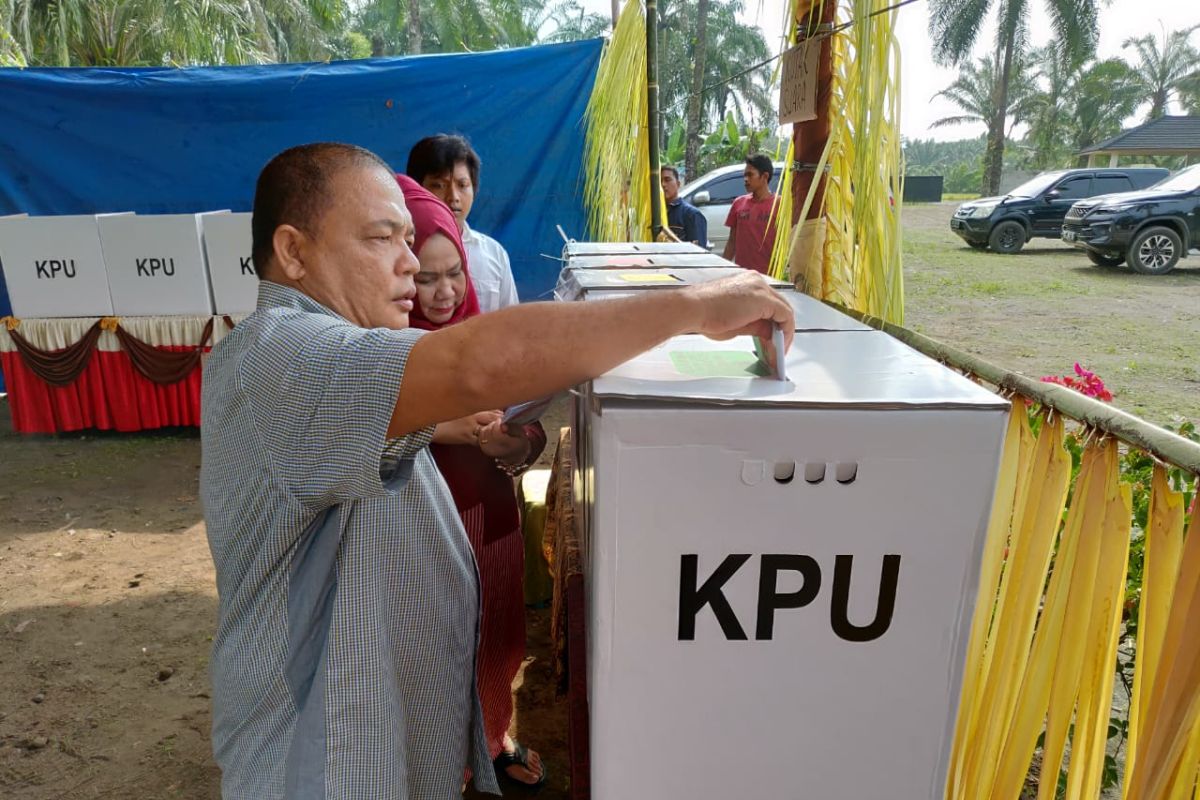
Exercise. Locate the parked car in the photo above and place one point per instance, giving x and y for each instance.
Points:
(1037, 207)
(1151, 229)
(714, 192)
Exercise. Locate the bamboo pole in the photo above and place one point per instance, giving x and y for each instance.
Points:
(813, 18)
(656, 220)
(1160, 443)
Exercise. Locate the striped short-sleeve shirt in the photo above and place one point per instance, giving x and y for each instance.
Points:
(343, 665)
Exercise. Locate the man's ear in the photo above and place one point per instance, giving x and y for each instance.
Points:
(289, 242)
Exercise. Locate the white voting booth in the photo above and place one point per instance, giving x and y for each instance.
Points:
(780, 575)
(227, 246)
(54, 266)
(155, 264)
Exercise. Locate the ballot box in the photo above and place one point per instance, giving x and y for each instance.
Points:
(578, 284)
(54, 266)
(227, 248)
(625, 261)
(573, 249)
(780, 575)
(155, 264)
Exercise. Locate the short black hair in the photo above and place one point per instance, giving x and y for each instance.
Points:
(294, 189)
(434, 155)
(671, 170)
(762, 164)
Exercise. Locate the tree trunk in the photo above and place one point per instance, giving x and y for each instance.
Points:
(414, 27)
(993, 165)
(695, 98)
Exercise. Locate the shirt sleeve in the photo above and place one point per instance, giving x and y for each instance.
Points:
(731, 218)
(322, 397)
(508, 284)
(700, 225)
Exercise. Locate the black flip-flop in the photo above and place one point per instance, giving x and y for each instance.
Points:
(518, 758)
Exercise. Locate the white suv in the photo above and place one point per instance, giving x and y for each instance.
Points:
(714, 192)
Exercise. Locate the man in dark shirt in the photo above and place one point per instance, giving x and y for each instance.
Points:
(684, 219)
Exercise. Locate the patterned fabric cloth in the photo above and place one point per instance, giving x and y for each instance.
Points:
(343, 665)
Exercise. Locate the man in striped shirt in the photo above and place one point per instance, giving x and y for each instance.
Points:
(343, 664)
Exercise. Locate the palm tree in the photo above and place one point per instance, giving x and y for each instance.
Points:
(1103, 96)
(696, 93)
(182, 32)
(729, 47)
(954, 26)
(1164, 70)
(973, 92)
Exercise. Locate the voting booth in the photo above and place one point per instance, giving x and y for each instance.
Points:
(227, 247)
(155, 264)
(780, 575)
(54, 266)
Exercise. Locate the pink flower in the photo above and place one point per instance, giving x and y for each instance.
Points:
(1083, 381)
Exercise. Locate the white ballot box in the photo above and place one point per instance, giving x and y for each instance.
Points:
(155, 264)
(573, 249)
(227, 246)
(780, 575)
(625, 261)
(579, 284)
(54, 266)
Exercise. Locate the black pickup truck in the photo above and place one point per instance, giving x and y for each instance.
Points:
(1036, 208)
(1151, 229)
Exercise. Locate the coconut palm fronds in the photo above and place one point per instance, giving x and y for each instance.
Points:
(616, 144)
(861, 268)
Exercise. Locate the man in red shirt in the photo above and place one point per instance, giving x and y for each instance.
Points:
(751, 228)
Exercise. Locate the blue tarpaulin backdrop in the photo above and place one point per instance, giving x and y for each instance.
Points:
(184, 140)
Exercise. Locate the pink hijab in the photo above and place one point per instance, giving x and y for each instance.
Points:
(430, 215)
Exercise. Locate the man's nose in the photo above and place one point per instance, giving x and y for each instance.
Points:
(407, 264)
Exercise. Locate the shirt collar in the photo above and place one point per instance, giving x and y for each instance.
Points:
(276, 295)
(468, 235)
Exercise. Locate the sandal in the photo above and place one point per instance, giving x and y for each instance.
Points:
(518, 758)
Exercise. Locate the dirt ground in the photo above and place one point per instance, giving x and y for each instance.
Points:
(107, 600)
(107, 606)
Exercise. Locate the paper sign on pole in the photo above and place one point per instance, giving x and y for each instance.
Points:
(798, 89)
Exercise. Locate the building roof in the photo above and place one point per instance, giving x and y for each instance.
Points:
(1165, 135)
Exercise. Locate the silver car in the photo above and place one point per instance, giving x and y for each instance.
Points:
(714, 192)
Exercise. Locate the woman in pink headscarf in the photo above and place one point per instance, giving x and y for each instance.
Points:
(478, 457)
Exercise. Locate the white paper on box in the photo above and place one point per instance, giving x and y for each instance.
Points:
(54, 266)
(781, 574)
(227, 247)
(155, 265)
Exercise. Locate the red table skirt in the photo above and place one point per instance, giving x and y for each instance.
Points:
(110, 395)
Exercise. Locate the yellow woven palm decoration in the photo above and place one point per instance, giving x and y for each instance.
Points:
(861, 266)
(616, 158)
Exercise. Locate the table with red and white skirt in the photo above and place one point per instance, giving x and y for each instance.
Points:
(108, 373)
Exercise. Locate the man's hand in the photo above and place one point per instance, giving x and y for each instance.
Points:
(744, 304)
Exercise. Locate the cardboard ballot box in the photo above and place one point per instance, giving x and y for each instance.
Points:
(813, 315)
(572, 249)
(625, 261)
(155, 264)
(227, 245)
(54, 266)
(780, 575)
(578, 284)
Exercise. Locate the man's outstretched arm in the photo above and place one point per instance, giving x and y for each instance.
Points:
(530, 351)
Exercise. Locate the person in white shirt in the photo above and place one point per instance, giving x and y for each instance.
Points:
(448, 167)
